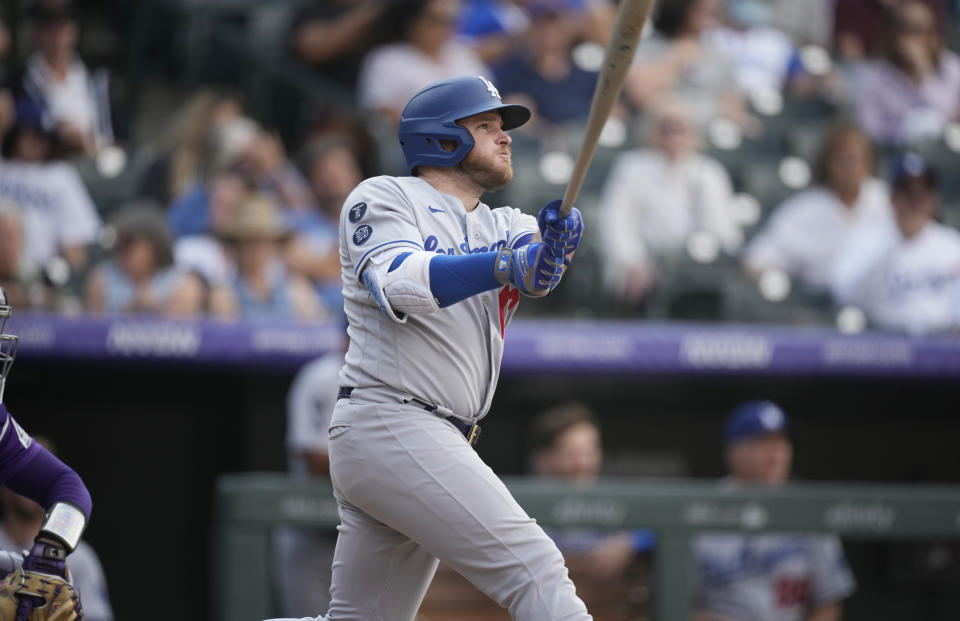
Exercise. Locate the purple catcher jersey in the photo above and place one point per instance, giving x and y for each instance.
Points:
(16, 445)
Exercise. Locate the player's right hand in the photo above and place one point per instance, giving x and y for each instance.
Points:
(534, 269)
(561, 235)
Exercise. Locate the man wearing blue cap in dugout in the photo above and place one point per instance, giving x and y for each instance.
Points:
(766, 577)
(431, 277)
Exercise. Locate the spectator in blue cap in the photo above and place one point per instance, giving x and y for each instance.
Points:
(908, 280)
(769, 576)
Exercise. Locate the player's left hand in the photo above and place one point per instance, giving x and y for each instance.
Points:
(532, 268)
(561, 235)
(40, 590)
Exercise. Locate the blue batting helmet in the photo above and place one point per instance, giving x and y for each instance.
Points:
(432, 114)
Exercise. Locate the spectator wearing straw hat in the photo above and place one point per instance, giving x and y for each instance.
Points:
(140, 276)
(262, 287)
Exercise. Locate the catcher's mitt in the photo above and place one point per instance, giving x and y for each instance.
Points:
(53, 598)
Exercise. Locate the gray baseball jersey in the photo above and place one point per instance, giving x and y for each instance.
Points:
(411, 490)
(450, 358)
(769, 577)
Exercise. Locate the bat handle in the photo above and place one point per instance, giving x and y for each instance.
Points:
(569, 197)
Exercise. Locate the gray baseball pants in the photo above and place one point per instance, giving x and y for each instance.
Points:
(411, 491)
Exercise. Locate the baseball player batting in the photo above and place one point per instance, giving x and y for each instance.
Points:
(40, 589)
(431, 278)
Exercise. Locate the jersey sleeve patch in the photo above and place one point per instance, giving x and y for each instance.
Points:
(386, 219)
(357, 212)
(362, 234)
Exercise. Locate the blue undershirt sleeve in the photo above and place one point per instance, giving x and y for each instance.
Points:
(457, 277)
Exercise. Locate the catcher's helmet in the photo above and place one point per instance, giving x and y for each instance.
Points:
(8, 342)
(432, 114)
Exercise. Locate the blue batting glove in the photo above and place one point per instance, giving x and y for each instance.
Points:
(560, 235)
(532, 268)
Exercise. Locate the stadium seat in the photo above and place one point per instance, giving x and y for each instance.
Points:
(762, 180)
(743, 302)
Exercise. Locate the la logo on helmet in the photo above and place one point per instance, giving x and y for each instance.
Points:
(490, 87)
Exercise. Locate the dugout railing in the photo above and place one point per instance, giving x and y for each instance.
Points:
(248, 506)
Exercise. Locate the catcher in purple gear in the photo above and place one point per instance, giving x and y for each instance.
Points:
(40, 589)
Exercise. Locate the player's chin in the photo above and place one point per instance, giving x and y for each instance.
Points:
(495, 178)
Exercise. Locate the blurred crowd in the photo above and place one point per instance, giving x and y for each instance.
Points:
(769, 160)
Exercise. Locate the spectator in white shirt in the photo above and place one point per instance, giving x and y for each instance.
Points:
(56, 77)
(59, 218)
(805, 233)
(909, 279)
(656, 198)
(425, 52)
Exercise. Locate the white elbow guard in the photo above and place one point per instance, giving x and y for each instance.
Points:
(403, 286)
(407, 284)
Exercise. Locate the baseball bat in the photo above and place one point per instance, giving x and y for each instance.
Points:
(631, 16)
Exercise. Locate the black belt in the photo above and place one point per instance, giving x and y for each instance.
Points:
(470, 432)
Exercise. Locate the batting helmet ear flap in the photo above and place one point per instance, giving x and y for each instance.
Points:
(426, 139)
